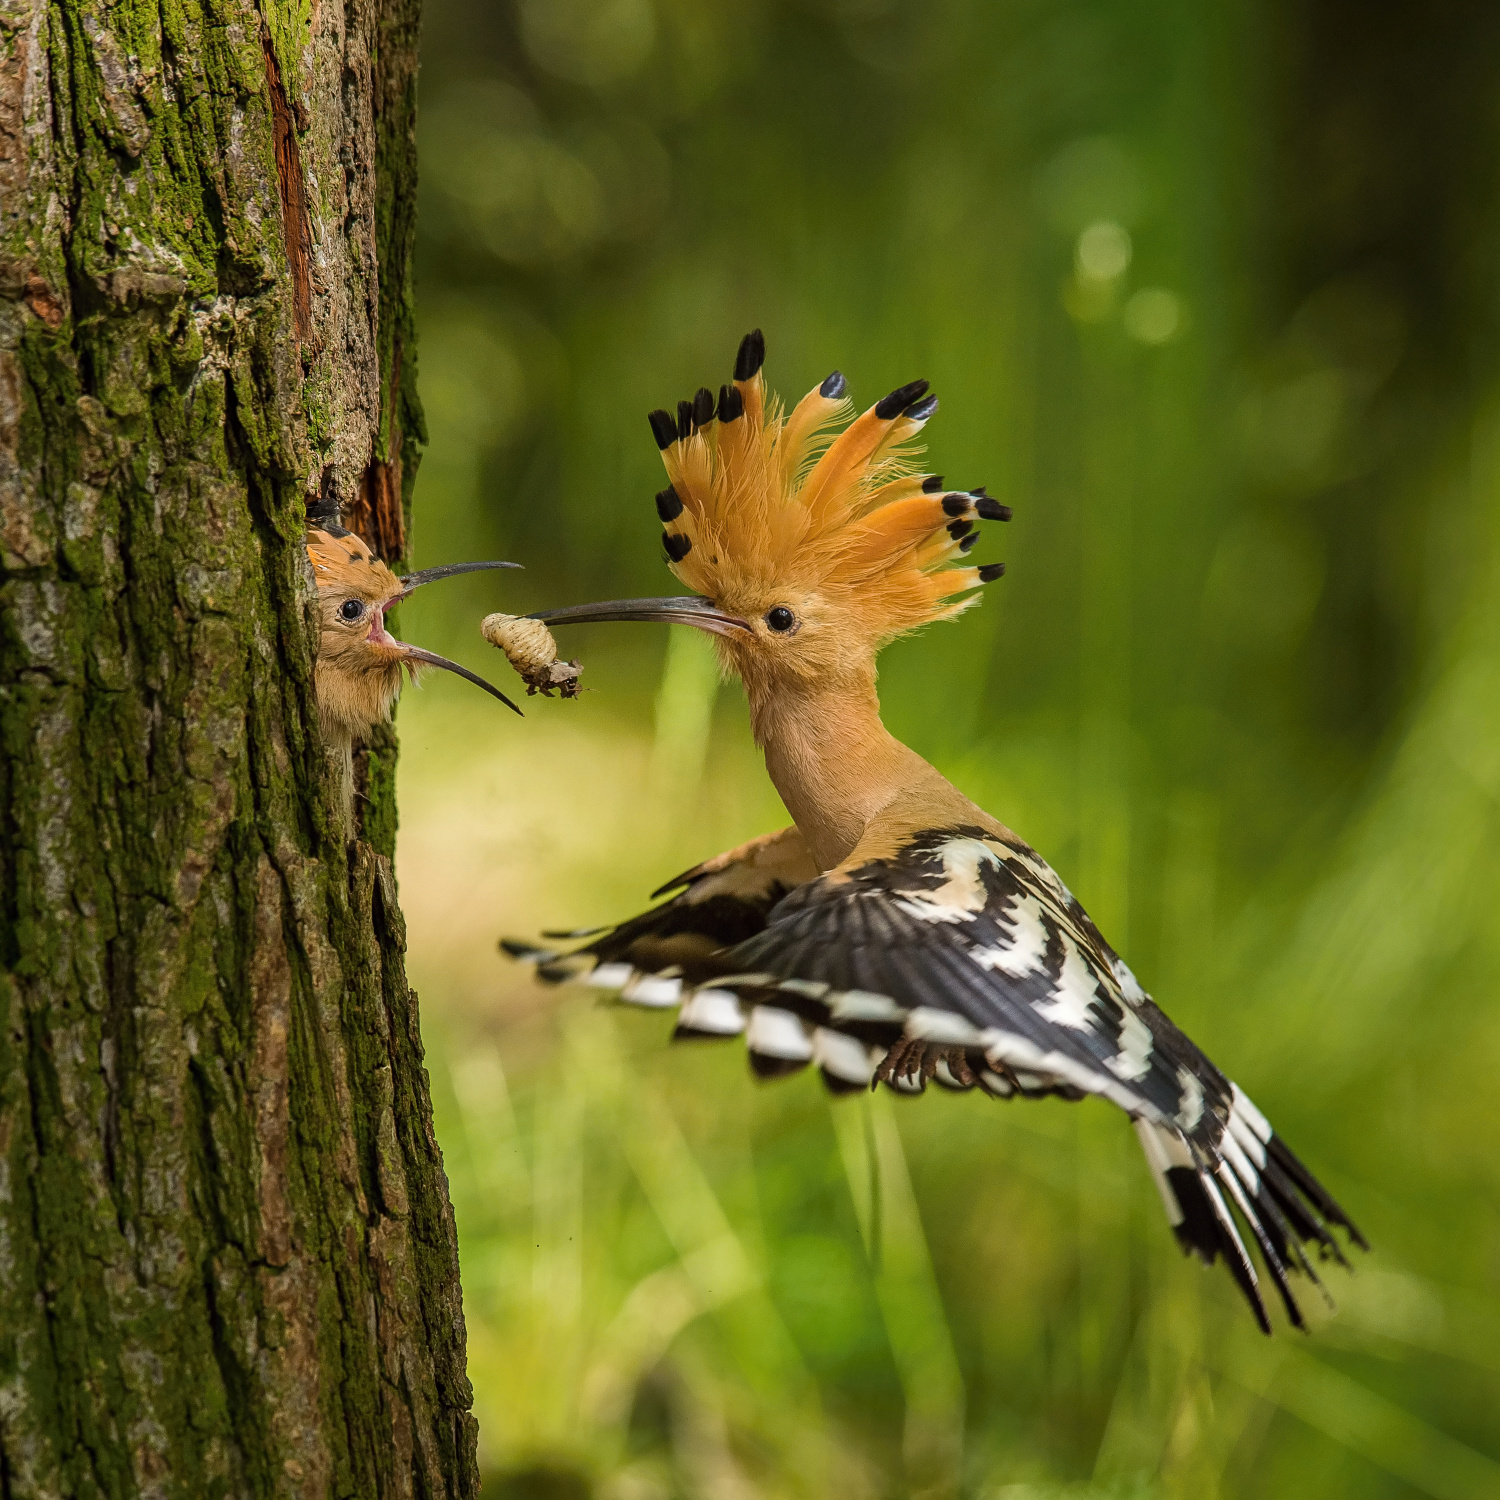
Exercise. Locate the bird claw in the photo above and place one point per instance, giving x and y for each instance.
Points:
(913, 1061)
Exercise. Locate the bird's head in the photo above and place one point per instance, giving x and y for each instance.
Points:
(807, 551)
(360, 663)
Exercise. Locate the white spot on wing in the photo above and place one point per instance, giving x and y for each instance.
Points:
(1250, 1114)
(813, 989)
(1133, 1060)
(1130, 986)
(1003, 1049)
(1043, 875)
(716, 1012)
(779, 1034)
(1238, 1160)
(842, 1055)
(1249, 1142)
(609, 977)
(651, 990)
(864, 1005)
(941, 1026)
(1226, 1222)
(1027, 949)
(1076, 987)
(962, 892)
(1190, 1111)
(749, 979)
(1227, 1177)
(1161, 1147)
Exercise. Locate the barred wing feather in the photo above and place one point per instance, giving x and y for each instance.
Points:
(963, 959)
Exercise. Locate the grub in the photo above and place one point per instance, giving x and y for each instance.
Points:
(529, 647)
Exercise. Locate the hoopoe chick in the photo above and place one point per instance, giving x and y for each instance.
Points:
(897, 933)
(358, 672)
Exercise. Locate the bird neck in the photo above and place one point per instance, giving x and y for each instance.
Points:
(834, 763)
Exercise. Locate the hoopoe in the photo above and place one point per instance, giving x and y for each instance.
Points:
(897, 932)
(357, 676)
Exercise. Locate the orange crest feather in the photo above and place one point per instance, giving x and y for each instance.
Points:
(763, 499)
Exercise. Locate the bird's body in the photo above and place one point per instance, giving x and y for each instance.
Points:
(897, 932)
(358, 672)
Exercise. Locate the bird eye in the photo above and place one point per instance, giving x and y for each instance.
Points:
(351, 609)
(780, 619)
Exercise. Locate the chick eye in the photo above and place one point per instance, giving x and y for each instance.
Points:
(351, 609)
(780, 619)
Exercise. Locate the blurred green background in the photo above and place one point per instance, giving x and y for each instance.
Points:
(1210, 294)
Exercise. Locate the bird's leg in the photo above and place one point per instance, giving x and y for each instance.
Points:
(911, 1058)
(957, 1059)
(906, 1059)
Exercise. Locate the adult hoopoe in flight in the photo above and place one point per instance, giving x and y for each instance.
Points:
(357, 677)
(897, 932)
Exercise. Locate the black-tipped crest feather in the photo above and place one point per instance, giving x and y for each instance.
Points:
(751, 355)
(899, 399)
(663, 428)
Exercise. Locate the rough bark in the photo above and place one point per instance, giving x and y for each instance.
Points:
(227, 1257)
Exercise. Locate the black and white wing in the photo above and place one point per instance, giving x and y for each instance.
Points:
(961, 957)
(664, 957)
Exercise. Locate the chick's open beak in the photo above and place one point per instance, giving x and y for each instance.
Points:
(688, 609)
(415, 654)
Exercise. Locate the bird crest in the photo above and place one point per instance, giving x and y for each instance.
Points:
(897, 932)
(340, 557)
(764, 499)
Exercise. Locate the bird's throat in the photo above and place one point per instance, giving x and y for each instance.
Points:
(834, 763)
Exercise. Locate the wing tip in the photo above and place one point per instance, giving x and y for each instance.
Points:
(526, 952)
(767, 1067)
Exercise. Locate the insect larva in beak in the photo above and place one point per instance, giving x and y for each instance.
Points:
(530, 649)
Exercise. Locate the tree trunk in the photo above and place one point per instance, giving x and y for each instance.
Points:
(227, 1256)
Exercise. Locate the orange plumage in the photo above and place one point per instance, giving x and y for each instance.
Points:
(765, 501)
(899, 932)
(358, 672)
(357, 676)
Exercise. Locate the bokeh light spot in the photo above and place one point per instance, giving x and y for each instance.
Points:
(1154, 315)
(1103, 251)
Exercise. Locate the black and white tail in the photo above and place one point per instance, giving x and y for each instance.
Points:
(1251, 1171)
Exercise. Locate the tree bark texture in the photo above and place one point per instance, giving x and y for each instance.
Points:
(227, 1257)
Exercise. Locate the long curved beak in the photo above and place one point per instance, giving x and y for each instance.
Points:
(432, 659)
(448, 570)
(688, 609)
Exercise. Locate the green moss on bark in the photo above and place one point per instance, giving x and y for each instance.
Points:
(227, 1260)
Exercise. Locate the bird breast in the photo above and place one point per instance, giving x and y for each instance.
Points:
(357, 682)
